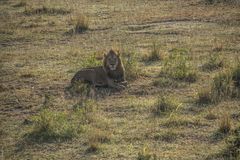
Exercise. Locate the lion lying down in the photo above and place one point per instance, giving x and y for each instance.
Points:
(111, 74)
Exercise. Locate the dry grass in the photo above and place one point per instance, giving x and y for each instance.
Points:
(38, 60)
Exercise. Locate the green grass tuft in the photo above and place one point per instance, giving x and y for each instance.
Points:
(178, 67)
(53, 126)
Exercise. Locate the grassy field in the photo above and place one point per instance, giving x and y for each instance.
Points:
(182, 64)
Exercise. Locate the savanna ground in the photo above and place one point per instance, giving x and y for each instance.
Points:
(159, 116)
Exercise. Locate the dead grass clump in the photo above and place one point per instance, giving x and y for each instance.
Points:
(178, 67)
(164, 105)
(45, 10)
(225, 124)
(214, 62)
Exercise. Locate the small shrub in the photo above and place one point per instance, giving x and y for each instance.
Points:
(178, 67)
(81, 24)
(214, 62)
(225, 124)
(131, 65)
(164, 105)
(204, 96)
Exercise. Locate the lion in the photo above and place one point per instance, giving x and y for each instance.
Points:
(111, 74)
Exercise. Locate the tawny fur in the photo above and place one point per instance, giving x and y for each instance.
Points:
(104, 75)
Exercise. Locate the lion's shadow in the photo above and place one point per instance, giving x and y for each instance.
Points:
(86, 90)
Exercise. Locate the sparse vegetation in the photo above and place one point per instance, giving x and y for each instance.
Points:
(91, 61)
(164, 105)
(178, 67)
(95, 138)
(53, 126)
(44, 43)
(166, 82)
(169, 136)
(222, 1)
(45, 10)
(155, 54)
(145, 154)
(225, 124)
(204, 96)
(81, 24)
(80, 89)
(221, 86)
(233, 148)
(131, 65)
(215, 61)
(22, 3)
(236, 76)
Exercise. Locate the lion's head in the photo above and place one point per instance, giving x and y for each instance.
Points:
(111, 60)
(113, 66)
